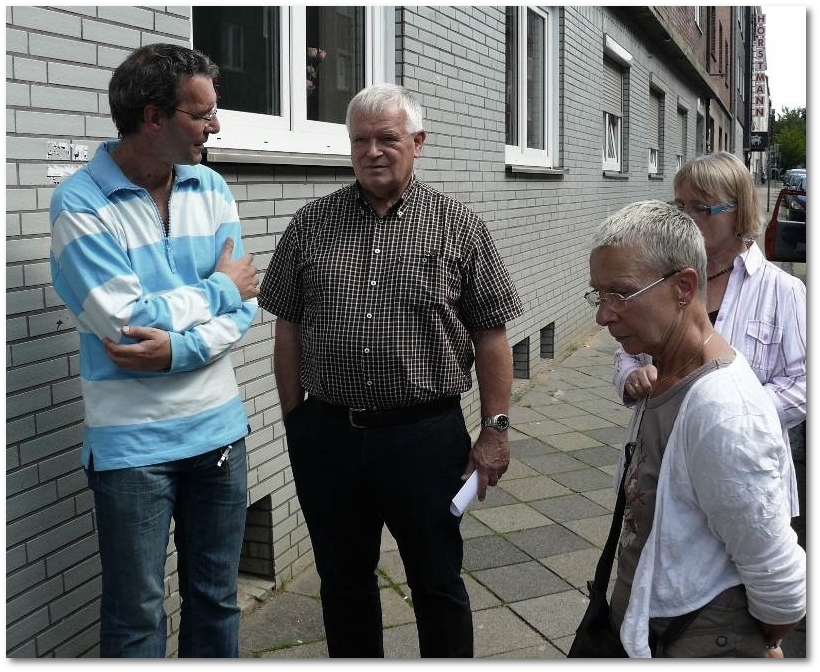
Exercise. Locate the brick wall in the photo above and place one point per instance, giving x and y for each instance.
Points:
(59, 61)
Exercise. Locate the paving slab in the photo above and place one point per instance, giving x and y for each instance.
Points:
(499, 631)
(533, 487)
(569, 507)
(513, 583)
(547, 540)
(511, 517)
(529, 446)
(492, 551)
(555, 463)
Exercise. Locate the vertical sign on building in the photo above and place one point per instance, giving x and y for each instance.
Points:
(760, 114)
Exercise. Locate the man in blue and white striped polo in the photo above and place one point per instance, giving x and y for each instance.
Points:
(147, 255)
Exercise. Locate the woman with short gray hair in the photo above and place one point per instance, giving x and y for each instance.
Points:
(706, 522)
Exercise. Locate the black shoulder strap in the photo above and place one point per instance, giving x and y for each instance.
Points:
(604, 568)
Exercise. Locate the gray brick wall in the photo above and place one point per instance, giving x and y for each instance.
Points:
(59, 61)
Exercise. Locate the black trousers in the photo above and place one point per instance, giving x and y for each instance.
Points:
(350, 482)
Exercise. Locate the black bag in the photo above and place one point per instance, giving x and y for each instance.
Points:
(595, 637)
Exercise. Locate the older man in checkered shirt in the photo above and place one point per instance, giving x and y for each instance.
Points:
(386, 292)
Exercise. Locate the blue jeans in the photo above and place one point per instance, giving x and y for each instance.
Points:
(134, 507)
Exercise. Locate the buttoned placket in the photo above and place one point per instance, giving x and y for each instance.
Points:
(374, 275)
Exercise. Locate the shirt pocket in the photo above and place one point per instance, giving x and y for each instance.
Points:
(427, 279)
(763, 342)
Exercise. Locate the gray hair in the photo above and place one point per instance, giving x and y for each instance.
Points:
(381, 97)
(664, 238)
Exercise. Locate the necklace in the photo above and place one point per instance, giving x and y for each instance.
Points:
(719, 273)
(687, 363)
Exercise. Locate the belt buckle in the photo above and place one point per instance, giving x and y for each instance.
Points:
(350, 412)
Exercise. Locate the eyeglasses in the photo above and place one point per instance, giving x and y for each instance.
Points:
(207, 118)
(697, 209)
(617, 302)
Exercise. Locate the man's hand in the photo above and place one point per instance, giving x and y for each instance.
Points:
(241, 271)
(639, 383)
(490, 456)
(152, 353)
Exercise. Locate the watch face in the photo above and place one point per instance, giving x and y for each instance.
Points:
(502, 421)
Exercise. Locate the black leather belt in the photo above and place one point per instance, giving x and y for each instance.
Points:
(363, 418)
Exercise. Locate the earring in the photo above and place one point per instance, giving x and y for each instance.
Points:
(681, 303)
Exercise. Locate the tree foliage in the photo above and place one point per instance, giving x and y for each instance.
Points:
(790, 135)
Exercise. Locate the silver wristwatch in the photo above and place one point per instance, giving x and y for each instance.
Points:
(501, 421)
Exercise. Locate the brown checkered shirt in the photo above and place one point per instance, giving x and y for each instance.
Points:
(386, 305)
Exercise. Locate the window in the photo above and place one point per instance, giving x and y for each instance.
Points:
(726, 56)
(655, 132)
(720, 50)
(711, 27)
(741, 78)
(680, 157)
(612, 142)
(612, 98)
(614, 105)
(287, 74)
(531, 86)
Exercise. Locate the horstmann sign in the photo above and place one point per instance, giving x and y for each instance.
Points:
(760, 106)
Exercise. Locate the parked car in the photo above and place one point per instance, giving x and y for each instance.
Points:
(785, 235)
(796, 203)
(792, 176)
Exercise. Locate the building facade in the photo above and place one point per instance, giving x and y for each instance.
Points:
(544, 120)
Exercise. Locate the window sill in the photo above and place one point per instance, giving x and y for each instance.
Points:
(614, 175)
(220, 155)
(540, 170)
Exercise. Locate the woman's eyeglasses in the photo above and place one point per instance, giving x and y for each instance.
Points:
(618, 302)
(699, 210)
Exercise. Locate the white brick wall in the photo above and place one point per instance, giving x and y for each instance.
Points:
(59, 61)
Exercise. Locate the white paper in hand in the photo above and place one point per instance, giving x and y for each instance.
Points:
(465, 495)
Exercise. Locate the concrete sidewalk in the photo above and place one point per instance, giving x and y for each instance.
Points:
(529, 548)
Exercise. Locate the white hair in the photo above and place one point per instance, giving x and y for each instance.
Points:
(381, 97)
(665, 238)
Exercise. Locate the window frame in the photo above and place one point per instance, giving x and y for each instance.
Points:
(654, 155)
(653, 160)
(683, 137)
(250, 136)
(612, 162)
(520, 154)
(621, 57)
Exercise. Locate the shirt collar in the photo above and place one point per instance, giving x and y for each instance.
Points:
(406, 195)
(753, 259)
(110, 177)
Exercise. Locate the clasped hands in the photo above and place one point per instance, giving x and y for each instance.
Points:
(152, 352)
